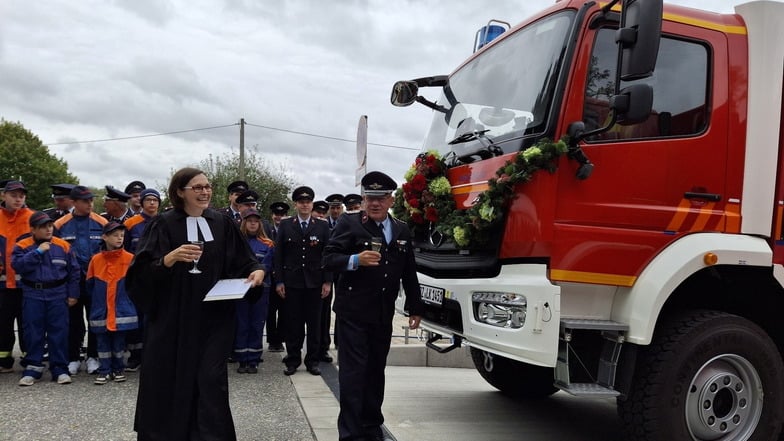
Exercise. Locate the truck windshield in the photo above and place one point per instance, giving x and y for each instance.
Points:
(506, 90)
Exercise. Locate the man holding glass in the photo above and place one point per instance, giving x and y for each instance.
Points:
(373, 252)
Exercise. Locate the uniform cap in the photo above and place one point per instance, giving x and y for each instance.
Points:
(335, 199)
(320, 206)
(81, 192)
(250, 212)
(61, 190)
(352, 199)
(247, 197)
(303, 192)
(113, 194)
(376, 183)
(149, 192)
(15, 185)
(39, 218)
(111, 226)
(279, 208)
(135, 187)
(237, 187)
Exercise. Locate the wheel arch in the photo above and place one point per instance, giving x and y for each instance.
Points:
(679, 277)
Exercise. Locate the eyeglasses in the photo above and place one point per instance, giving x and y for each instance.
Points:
(199, 188)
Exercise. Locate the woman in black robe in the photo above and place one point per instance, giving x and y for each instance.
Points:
(183, 384)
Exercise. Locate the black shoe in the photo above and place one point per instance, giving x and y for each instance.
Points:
(243, 369)
(275, 348)
(133, 365)
(252, 369)
(314, 370)
(290, 370)
(325, 358)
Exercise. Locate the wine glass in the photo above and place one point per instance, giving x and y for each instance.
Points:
(375, 244)
(199, 244)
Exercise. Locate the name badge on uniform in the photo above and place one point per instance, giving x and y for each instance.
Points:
(314, 241)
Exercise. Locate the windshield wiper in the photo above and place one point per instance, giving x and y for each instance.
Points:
(469, 136)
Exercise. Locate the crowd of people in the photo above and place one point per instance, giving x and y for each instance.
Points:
(133, 279)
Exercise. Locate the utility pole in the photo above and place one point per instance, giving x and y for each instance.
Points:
(242, 148)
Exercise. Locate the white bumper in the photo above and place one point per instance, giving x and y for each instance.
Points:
(536, 342)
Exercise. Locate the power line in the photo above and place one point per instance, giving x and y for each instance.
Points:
(328, 137)
(224, 126)
(142, 136)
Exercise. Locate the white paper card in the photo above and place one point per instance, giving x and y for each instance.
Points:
(227, 289)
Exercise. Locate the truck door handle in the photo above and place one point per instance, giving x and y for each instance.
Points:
(708, 196)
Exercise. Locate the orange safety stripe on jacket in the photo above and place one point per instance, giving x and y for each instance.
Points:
(27, 241)
(110, 267)
(13, 226)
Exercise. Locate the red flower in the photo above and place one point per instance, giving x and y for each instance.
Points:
(417, 218)
(413, 202)
(435, 168)
(418, 182)
(431, 214)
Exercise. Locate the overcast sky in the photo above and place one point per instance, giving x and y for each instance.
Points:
(97, 69)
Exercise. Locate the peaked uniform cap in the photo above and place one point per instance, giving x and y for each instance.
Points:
(279, 207)
(321, 206)
(81, 192)
(335, 199)
(247, 197)
(352, 199)
(376, 183)
(237, 187)
(39, 218)
(303, 192)
(62, 190)
(135, 187)
(115, 194)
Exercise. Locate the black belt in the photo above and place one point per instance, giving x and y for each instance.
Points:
(44, 285)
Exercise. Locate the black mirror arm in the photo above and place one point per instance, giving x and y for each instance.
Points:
(430, 104)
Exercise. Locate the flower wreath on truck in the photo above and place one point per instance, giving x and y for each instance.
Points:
(425, 200)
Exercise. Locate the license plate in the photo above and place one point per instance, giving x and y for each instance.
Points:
(432, 295)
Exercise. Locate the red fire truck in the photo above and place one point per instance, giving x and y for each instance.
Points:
(648, 265)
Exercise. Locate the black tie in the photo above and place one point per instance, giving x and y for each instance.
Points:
(304, 226)
(236, 215)
(383, 235)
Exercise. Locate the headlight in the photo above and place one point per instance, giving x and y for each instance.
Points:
(502, 309)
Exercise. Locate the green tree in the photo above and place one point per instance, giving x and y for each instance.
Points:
(24, 157)
(271, 183)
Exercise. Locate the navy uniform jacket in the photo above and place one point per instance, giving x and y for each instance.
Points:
(368, 293)
(298, 253)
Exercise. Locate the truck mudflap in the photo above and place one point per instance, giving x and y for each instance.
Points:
(515, 314)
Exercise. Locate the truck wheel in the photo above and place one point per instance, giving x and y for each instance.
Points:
(707, 375)
(514, 378)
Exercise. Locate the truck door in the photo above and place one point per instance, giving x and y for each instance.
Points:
(653, 181)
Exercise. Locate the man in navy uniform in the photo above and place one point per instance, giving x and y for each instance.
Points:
(134, 190)
(115, 204)
(277, 307)
(335, 202)
(246, 200)
(62, 201)
(320, 209)
(353, 202)
(300, 280)
(365, 302)
(233, 210)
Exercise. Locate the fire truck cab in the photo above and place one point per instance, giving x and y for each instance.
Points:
(648, 266)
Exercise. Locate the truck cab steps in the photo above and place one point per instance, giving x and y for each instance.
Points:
(603, 386)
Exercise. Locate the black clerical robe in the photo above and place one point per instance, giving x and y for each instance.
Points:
(183, 387)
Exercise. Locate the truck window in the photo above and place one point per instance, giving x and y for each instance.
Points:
(680, 90)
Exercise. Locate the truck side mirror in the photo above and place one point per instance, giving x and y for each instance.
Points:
(639, 37)
(404, 93)
(633, 104)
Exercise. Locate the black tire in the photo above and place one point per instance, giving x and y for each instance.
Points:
(702, 378)
(514, 378)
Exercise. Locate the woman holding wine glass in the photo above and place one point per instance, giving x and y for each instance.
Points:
(183, 385)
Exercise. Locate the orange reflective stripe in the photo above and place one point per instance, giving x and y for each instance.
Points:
(469, 188)
(702, 219)
(732, 216)
(680, 215)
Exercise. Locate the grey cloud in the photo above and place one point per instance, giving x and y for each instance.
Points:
(158, 12)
